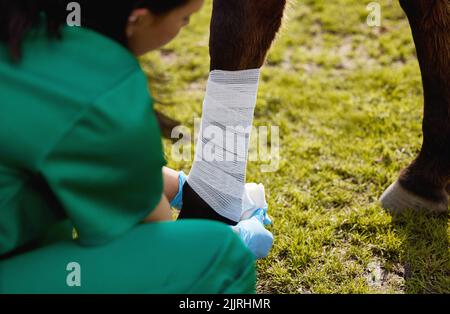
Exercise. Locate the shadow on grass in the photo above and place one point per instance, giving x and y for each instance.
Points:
(425, 253)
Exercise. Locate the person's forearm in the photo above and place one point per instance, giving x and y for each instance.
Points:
(162, 212)
(170, 183)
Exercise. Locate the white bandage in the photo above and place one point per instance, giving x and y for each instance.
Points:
(254, 198)
(219, 169)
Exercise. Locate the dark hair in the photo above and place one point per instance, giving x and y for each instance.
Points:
(109, 18)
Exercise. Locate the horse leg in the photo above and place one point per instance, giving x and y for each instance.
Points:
(423, 185)
(242, 32)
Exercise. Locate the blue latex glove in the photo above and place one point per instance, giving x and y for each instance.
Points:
(252, 232)
(177, 201)
(256, 237)
(265, 217)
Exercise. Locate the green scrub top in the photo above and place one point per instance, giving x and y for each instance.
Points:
(79, 140)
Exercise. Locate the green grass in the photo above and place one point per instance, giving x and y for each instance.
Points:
(348, 101)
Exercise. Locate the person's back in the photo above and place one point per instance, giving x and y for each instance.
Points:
(54, 87)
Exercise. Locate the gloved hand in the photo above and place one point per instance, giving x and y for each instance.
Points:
(254, 216)
(253, 199)
(177, 201)
(256, 237)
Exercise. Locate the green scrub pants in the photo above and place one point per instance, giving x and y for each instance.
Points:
(190, 256)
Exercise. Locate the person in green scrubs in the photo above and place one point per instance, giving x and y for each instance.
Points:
(81, 146)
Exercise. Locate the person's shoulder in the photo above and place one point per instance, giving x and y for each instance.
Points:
(82, 62)
(84, 79)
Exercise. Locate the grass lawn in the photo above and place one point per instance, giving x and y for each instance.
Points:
(347, 99)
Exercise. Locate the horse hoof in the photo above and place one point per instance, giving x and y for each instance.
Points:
(397, 199)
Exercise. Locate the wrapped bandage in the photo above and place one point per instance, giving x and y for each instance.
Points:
(219, 170)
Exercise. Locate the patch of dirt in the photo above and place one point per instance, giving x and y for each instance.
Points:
(379, 278)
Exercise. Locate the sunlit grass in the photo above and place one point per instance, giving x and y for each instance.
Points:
(348, 101)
